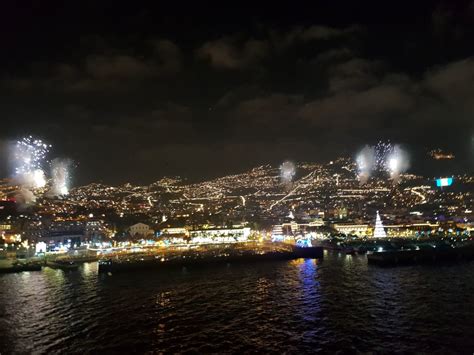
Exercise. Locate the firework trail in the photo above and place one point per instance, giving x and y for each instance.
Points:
(366, 160)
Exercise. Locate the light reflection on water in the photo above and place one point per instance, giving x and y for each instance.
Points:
(304, 305)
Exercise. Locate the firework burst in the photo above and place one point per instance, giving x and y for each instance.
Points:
(287, 171)
(60, 173)
(382, 152)
(365, 163)
(397, 163)
(30, 156)
(383, 157)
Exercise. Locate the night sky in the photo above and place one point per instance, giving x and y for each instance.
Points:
(135, 92)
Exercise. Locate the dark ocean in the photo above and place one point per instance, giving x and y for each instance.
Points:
(302, 306)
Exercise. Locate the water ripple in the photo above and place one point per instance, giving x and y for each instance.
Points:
(338, 304)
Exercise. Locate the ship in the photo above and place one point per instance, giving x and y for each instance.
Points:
(62, 264)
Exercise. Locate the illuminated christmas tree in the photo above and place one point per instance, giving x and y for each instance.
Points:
(379, 231)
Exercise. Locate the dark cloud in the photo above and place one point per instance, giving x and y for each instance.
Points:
(324, 32)
(264, 111)
(161, 95)
(231, 52)
(453, 83)
(368, 98)
(228, 53)
(105, 69)
(116, 67)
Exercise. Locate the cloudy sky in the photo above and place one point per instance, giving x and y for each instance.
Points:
(133, 93)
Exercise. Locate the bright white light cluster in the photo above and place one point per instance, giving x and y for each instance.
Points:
(30, 156)
(287, 171)
(382, 151)
(382, 157)
(365, 163)
(397, 162)
(60, 176)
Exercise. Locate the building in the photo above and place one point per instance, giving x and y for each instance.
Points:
(63, 235)
(356, 229)
(141, 230)
(411, 229)
(175, 230)
(219, 235)
(63, 239)
(277, 232)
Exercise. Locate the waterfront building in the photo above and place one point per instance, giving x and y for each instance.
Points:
(62, 235)
(277, 232)
(219, 235)
(140, 230)
(360, 230)
(175, 230)
(410, 229)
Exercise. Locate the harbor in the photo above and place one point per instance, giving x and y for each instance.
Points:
(130, 259)
(377, 252)
(205, 256)
(237, 300)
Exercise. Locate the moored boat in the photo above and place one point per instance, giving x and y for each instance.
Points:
(349, 251)
(62, 264)
(20, 267)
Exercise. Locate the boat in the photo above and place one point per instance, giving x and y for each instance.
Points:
(62, 264)
(433, 254)
(349, 251)
(20, 267)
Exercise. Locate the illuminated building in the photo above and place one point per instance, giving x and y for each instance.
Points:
(349, 228)
(66, 234)
(277, 232)
(5, 227)
(59, 240)
(438, 154)
(411, 229)
(219, 235)
(175, 230)
(140, 229)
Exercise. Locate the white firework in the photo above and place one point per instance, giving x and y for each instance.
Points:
(29, 156)
(397, 162)
(382, 151)
(38, 178)
(287, 171)
(60, 176)
(365, 163)
(383, 157)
